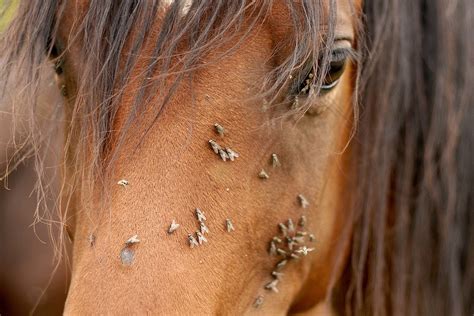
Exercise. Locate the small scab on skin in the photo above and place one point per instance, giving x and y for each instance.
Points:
(127, 255)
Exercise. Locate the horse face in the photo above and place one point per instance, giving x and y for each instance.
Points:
(163, 173)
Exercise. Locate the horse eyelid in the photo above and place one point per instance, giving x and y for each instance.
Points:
(344, 53)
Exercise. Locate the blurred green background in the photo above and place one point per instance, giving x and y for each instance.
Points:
(7, 10)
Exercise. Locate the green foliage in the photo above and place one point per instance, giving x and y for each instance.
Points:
(7, 11)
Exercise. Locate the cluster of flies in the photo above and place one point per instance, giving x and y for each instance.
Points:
(275, 162)
(203, 229)
(305, 90)
(224, 152)
(199, 236)
(289, 245)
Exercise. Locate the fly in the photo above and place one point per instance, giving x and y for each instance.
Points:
(223, 154)
(301, 234)
(219, 129)
(283, 229)
(229, 225)
(298, 239)
(272, 286)
(200, 215)
(231, 154)
(192, 241)
(215, 146)
(200, 238)
(290, 225)
(303, 201)
(91, 240)
(294, 256)
(275, 161)
(302, 221)
(263, 175)
(304, 250)
(203, 228)
(281, 264)
(273, 249)
(173, 227)
(123, 183)
(132, 240)
(277, 275)
(277, 239)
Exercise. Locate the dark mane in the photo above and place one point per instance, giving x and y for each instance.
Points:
(412, 220)
(413, 242)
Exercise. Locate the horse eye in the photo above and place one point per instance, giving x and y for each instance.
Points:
(332, 76)
(335, 70)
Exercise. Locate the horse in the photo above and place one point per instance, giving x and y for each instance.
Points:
(259, 157)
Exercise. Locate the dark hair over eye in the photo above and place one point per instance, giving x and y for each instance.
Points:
(336, 66)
